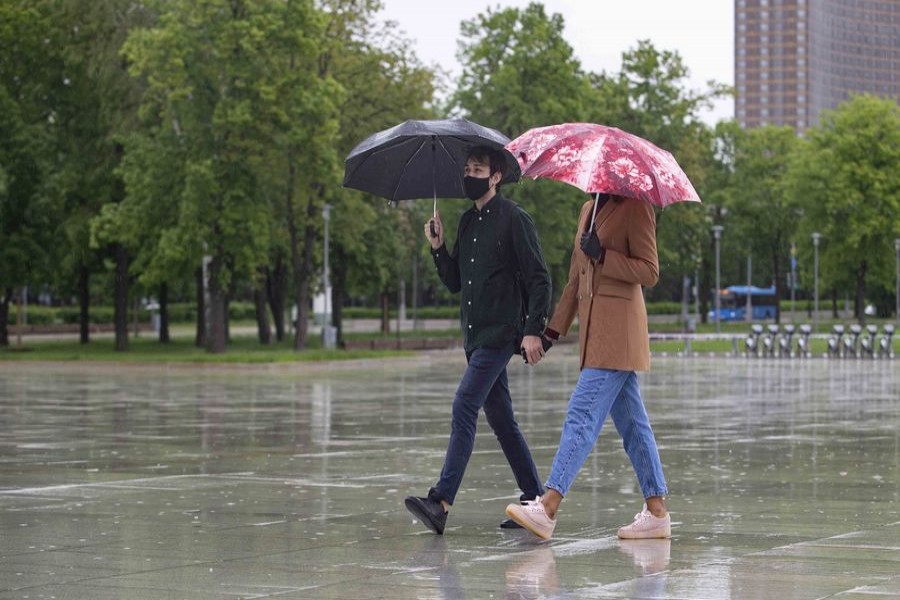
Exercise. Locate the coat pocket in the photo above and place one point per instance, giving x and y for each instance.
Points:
(618, 290)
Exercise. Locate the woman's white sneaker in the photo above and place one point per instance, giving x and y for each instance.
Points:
(646, 526)
(531, 515)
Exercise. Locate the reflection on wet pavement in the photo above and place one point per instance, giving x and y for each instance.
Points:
(287, 482)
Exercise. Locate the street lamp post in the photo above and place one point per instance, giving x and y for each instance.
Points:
(717, 233)
(897, 283)
(815, 238)
(328, 333)
(793, 275)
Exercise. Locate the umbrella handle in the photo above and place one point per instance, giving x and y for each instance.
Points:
(594, 213)
(433, 189)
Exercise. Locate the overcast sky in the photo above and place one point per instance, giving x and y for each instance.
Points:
(702, 31)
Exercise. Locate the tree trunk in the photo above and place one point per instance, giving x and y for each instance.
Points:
(227, 316)
(217, 335)
(834, 303)
(338, 285)
(4, 317)
(84, 304)
(262, 315)
(164, 313)
(135, 317)
(385, 313)
(703, 287)
(296, 265)
(276, 290)
(200, 336)
(309, 238)
(860, 303)
(121, 298)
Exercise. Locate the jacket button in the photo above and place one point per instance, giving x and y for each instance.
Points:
(582, 271)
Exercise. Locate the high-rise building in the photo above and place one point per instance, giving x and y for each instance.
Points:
(794, 58)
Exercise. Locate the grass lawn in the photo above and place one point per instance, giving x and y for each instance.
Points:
(244, 347)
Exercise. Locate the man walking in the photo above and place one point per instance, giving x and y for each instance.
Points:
(496, 263)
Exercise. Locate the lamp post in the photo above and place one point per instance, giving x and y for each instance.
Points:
(897, 284)
(717, 233)
(793, 275)
(328, 333)
(816, 236)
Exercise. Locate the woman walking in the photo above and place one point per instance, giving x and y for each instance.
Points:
(614, 255)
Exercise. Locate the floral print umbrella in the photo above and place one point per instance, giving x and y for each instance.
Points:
(600, 159)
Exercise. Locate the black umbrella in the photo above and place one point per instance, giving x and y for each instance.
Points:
(422, 159)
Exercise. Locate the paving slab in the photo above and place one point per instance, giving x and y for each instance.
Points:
(286, 481)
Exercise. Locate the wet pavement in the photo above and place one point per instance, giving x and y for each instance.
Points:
(287, 482)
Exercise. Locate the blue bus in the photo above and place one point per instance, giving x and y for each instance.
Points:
(734, 303)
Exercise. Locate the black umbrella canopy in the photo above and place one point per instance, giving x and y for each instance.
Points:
(422, 159)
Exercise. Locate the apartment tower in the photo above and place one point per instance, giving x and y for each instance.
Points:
(795, 58)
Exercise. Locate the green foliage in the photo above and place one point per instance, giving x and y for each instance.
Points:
(762, 218)
(30, 77)
(846, 178)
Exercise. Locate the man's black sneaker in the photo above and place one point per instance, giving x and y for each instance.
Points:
(430, 512)
(509, 524)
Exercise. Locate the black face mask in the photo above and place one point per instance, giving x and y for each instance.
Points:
(476, 187)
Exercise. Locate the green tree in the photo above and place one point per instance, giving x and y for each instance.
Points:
(846, 177)
(237, 84)
(99, 106)
(31, 76)
(764, 216)
(385, 84)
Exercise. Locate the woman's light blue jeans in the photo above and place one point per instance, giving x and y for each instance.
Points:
(601, 392)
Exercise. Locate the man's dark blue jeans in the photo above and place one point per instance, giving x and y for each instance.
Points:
(484, 385)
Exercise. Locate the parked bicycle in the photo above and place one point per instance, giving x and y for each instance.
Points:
(803, 345)
(752, 342)
(835, 348)
(785, 342)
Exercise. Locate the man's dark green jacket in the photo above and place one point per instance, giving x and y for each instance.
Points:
(498, 266)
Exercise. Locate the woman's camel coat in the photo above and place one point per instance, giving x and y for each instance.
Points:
(607, 297)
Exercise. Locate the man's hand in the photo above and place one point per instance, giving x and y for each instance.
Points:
(532, 349)
(435, 225)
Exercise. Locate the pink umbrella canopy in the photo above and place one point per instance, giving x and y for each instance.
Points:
(600, 159)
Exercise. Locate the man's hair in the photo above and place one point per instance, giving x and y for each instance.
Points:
(491, 157)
